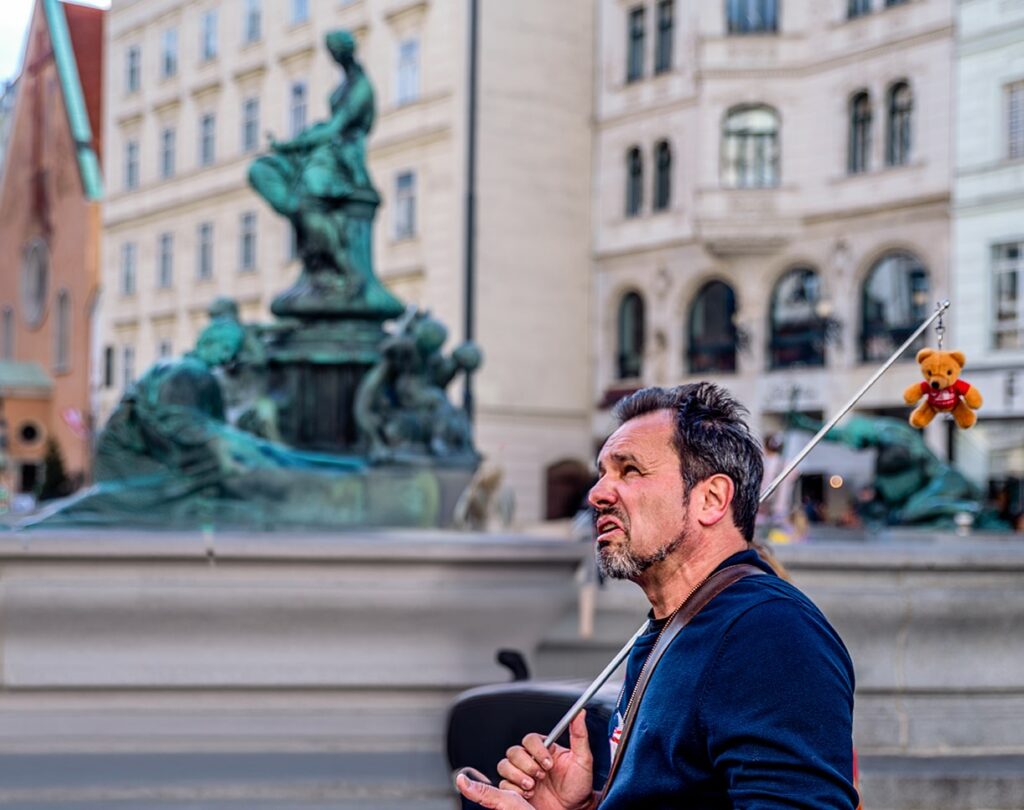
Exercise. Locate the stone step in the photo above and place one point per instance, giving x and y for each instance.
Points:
(943, 783)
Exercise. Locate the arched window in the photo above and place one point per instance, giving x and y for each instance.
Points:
(894, 301)
(631, 336)
(634, 182)
(797, 328)
(750, 148)
(712, 332)
(662, 176)
(62, 333)
(7, 353)
(752, 16)
(859, 157)
(901, 110)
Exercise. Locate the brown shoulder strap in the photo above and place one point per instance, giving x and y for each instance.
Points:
(708, 590)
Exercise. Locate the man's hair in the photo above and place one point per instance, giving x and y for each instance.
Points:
(710, 438)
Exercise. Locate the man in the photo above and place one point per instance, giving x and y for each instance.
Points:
(752, 704)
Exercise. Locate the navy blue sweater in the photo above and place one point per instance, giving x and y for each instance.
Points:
(751, 707)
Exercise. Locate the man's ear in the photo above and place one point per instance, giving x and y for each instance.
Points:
(716, 495)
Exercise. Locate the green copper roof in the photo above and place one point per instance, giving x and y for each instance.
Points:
(25, 378)
(74, 100)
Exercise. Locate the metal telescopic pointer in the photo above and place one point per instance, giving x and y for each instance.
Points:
(616, 662)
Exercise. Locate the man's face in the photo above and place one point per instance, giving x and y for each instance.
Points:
(639, 502)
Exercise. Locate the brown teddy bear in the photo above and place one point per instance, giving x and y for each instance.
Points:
(943, 389)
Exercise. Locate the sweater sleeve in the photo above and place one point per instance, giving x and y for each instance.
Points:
(777, 710)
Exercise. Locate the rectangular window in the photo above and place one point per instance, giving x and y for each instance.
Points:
(297, 108)
(666, 25)
(207, 139)
(247, 242)
(635, 47)
(857, 8)
(300, 11)
(1007, 278)
(752, 16)
(165, 261)
(291, 244)
(407, 86)
(208, 36)
(1015, 120)
(250, 124)
(204, 251)
(131, 165)
(405, 206)
(889, 3)
(164, 350)
(108, 367)
(128, 268)
(132, 68)
(253, 24)
(168, 141)
(169, 53)
(62, 337)
(127, 366)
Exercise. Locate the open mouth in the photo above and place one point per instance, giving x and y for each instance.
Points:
(606, 529)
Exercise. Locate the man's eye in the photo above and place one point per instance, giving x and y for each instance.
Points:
(630, 468)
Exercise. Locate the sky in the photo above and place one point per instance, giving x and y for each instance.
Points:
(14, 19)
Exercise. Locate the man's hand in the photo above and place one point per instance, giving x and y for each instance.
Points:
(552, 779)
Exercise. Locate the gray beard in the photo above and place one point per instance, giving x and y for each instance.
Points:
(619, 562)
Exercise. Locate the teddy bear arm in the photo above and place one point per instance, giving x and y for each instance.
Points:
(973, 398)
(913, 393)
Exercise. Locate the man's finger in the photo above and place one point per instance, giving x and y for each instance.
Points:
(579, 740)
(488, 796)
(534, 745)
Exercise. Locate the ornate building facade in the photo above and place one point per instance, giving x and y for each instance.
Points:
(192, 88)
(772, 191)
(49, 242)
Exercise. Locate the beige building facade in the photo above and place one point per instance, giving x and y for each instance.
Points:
(192, 88)
(772, 176)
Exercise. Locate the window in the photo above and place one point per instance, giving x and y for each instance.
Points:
(407, 87)
(297, 108)
(132, 68)
(208, 36)
(291, 244)
(1015, 120)
(797, 328)
(108, 367)
(253, 22)
(901, 105)
(712, 330)
(127, 366)
(663, 46)
(405, 205)
(207, 139)
(250, 124)
(165, 261)
(62, 333)
(635, 46)
(1007, 281)
(894, 301)
(131, 165)
(890, 3)
(35, 281)
(634, 182)
(164, 350)
(169, 53)
(752, 16)
(857, 8)
(8, 334)
(630, 337)
(168, 139)
(859, 153)
(247, 242)
(750, 148)
(128, 268)
(300, 11)
(204, 252)
(662, 176)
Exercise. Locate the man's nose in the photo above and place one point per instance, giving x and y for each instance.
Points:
(600, 494)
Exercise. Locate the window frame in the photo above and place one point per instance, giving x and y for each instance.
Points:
(858, 157)
(208, 36)
(133, 69)
(169, 53)
(129, 269)
(404, 223)
(168, 152)
(888, 335)
(207, 157)
(665, 36)
(722, 355)
(807, 336)
(630, 336)
(1011, 267)
(250, 145)
(661, 199)
(247, 231)
(204, 251)
(165, 261)
(636, 45)
(738, 12)
(735, 171)
(899, 140)
(634, 200)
